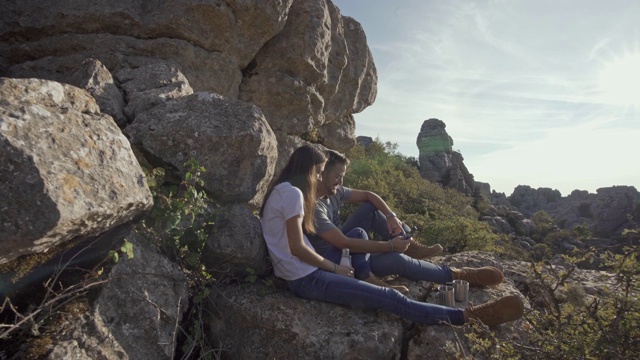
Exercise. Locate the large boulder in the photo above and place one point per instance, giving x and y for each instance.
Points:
(236, 243)
(134, 316)
(66, 168)
(230, 138)
(339, 134)
(314, 70)
(151, 85)
(94, 77)
(283, 326)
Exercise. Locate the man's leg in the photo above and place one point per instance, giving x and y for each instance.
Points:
(400, 264)
(395, 263)
(368, 218)
(362, 264)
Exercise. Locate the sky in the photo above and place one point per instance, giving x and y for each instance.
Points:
(544, 93)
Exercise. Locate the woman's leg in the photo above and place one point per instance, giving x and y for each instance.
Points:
(329, 287)
(395, 263)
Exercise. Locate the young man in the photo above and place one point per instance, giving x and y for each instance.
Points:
(396, 256)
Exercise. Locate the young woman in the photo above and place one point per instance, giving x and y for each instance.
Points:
(288, 213)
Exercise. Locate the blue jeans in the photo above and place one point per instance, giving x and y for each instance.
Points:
(367, 218)
(359, 261)
(333, 288)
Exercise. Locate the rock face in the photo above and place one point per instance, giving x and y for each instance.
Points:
(438, 162)
(66, 169)
(126, 33)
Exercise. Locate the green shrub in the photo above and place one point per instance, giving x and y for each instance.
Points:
(179, 224)
(179, 219)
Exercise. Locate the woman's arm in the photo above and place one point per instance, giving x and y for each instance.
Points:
(303, 252)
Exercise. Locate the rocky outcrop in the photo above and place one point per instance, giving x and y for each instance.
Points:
(66, 168)
(305, 65)
(438, 162)
(283, 326)
(607, 212)
(529, 200)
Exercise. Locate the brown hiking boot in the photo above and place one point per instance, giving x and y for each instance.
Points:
(379, 282)
(419, 251)
(496, 312)
(484, 276)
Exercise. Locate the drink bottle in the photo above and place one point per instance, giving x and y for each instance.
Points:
(346, 258)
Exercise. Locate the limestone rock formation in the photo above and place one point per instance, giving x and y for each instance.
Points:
(230, 138)
(438, 162)
(66, 169)
(317, 69)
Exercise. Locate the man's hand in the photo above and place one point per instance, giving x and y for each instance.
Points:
(344, 270)
(400, 244)
(394, 225)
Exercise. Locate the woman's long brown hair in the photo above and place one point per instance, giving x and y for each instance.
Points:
(300, 172)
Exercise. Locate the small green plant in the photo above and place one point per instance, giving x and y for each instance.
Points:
(125, 249)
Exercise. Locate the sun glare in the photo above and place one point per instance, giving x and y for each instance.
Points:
(619, 80)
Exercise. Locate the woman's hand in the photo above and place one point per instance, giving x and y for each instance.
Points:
(344, 270)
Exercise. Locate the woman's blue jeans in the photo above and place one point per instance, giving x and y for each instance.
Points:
(367, 218)
(359, 262)
(333, 288)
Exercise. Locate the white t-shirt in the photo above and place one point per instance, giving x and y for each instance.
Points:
(284, 202)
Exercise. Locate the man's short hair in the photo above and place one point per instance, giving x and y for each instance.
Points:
(334, 158)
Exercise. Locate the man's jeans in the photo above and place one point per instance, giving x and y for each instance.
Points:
(366, 218)
(333, 288)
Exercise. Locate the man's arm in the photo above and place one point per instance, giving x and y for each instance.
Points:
(336, 238)
(394, 225)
